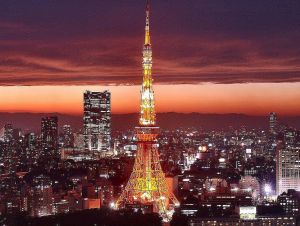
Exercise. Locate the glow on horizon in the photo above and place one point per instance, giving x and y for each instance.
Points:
(251, 98)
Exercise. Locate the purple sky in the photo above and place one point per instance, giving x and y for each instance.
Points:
(99, 42)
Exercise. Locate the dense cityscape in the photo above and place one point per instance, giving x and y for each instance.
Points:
(147, 175)
(237, 176)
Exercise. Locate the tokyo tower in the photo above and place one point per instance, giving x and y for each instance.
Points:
(147, 184)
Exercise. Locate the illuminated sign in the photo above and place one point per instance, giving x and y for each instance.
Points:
(247, 212)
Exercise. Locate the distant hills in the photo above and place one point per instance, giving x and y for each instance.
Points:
(121, 122)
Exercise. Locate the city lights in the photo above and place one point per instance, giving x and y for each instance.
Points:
(84, 140)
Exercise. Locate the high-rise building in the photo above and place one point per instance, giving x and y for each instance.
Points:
(30, 141)
(49, 135)
(31, 147)
(40, 197)
(97, 123)
(290, 136)
(67, 136)
(272, 123)
(147, 187)
(8, 132)
(287, 168)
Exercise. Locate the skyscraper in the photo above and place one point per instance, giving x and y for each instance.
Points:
(49, 135)
(30, 144)
(8, 152)
(67, 136)
(40, 197)
(272, 123)
(8, 132)
(30, 141)
(97, 123)
(287, 166)
(147, 185)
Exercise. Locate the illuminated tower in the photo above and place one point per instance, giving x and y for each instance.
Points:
(147, 184)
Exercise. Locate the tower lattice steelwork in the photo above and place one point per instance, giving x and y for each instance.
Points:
(147, 183)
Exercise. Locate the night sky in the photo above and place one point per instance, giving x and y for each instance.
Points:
(217, 56)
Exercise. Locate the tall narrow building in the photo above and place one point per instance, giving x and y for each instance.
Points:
(288, 164)
(8, 133)
(97, 123)
(147, 185)
(272, 123)
(49, 135)
(288, 169)
(40, 197)
(67, 136)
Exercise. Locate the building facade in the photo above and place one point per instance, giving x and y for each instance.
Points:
(97, 123)
(8, 133)
(287, 168)
(67, 136)
(40, 197)
(49, 135)
(272, 123)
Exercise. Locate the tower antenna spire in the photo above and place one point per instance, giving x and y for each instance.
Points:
(147, 28)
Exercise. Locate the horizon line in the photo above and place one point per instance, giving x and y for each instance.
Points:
(166, 112)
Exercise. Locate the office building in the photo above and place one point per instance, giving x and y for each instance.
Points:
(272, 123)
(49, 135)
(67, 136)
(40, 197)
(97, 123)
(287, 168)
(8, 133)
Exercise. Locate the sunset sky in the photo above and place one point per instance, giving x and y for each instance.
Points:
(209, 56)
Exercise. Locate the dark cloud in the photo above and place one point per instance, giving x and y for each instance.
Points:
(99, 42)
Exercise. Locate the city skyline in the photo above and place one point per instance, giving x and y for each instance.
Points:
(212, 132)
(221, 57)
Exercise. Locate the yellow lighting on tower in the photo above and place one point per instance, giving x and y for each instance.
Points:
(147, 183)
(147, 117)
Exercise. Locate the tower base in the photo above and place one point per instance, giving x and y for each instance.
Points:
(147, 184)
